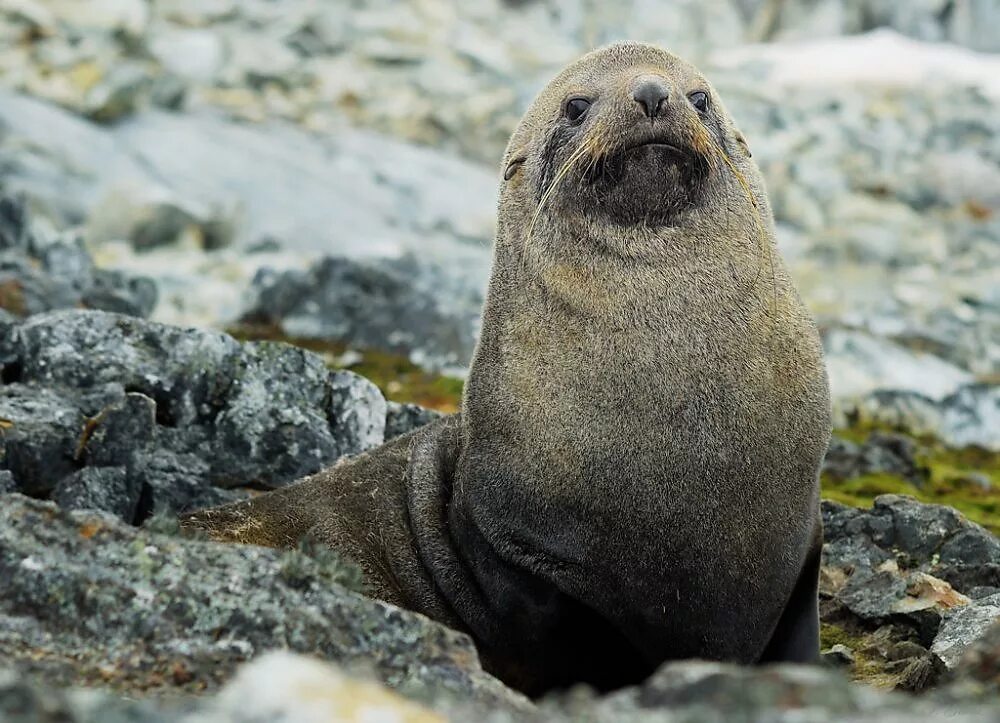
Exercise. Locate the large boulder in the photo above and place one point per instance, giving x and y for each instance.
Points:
(88, 599)
(382, 304)
(171, 417)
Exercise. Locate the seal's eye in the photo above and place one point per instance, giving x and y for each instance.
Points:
(576, 108)
(699, 99)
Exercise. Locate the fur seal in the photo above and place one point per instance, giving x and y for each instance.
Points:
(633, 476)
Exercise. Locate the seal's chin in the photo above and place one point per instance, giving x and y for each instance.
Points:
(650, 183)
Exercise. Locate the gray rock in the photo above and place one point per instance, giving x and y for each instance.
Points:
(42, 430)
(713, 692)
(860, 363)
(357, 412)
(880, 453)
(96, 599)
(963, 626)
(403, 418)
(41, 273)
(108, 489)
(931, 539)
(275, 417)
(970, 416)
(120, 428)
(978, 670)
(185, 413)
(377, 304)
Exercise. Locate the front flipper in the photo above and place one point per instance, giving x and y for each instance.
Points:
(796, 637)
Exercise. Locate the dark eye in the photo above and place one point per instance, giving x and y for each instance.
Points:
(699, 99)
(576, 108)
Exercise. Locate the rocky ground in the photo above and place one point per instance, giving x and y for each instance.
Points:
(186, 184)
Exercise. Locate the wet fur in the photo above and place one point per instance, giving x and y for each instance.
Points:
(634, 473)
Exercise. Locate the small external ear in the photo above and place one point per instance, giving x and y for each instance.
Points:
(513, 167)
(743, 142)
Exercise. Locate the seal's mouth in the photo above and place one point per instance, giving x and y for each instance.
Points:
(661, 145)
(648, 179)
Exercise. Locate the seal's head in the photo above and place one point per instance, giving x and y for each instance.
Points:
(629, 135)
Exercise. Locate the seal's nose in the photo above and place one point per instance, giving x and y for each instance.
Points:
(650, 92)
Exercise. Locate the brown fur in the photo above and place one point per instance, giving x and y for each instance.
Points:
(634, 473)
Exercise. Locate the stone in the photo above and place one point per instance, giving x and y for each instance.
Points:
(122, 92)
(970, 416)
(837, 655)
(978, 670)
(403, 418)
(932, 539)
(963, 626)
(41, 431)
(42, 272)
(109, 489)
(186, 413)
(111, 437)
(96, 599)
(859, 363)
(882, 453)
(365, 304)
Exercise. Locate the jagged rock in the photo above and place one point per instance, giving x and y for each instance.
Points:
(970, 416)
(880, 453)
(403, 418)
(978, 670)
(373, 304)
(963, 626)
(185, 413)
(932, 539)
(41, 432)
(108, 489)
(87, 598)
(43, 273)
(713, 692)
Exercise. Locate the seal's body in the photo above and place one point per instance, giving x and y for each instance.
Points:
(634, 473)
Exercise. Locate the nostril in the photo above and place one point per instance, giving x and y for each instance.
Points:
(651, 93)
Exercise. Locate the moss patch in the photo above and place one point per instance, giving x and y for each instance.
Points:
(399, 379)
(868, 667)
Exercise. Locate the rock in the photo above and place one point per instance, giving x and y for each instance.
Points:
(931, 539)
(881, 453)
(963, 626)
(196, 54)
(703, 691)
(367, 305)
(894, 575)
(109, 489)
(110, 16)
(185, 413)
(403, 418)
(859, 363)
(92, 599)
(41, 431)
(122, 92)
(41, 273)
(970, 416)
(837, 655)
(978, 670)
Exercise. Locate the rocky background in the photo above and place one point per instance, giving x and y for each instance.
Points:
(187, 185)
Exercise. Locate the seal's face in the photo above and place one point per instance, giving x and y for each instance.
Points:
(630, 135)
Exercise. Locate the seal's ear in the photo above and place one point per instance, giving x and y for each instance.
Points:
(514, 166)
(743, 143)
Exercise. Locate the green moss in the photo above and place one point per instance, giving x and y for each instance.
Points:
(869, 667)
(967, 479)
(399, 379)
